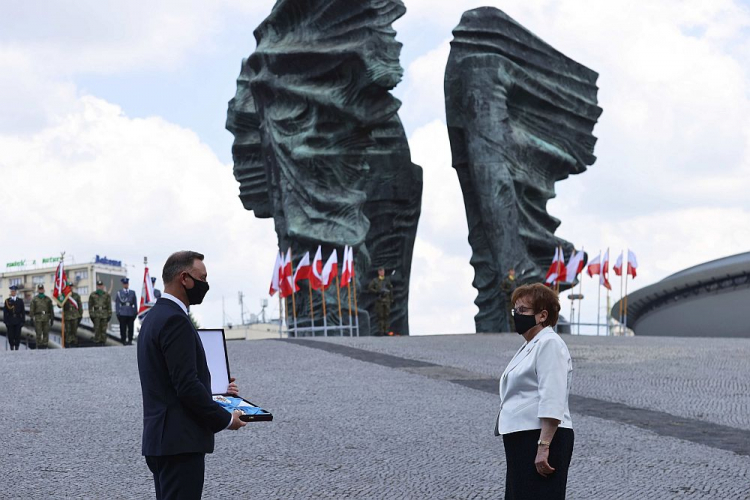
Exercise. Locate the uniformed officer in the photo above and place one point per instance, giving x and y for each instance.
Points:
(100, 312)
(72, 315)
(157, 292)
(14, 316)
(508, 286)
(126, 309)
(383, 289)
(42, 315)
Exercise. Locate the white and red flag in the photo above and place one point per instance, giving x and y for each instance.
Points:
(330, 270)
(276, 275)
(557, 270)
(316, 276)
(62, 289)
(617, 268)
(595, 266)
(286, 275)
(575, 265)
(303, 270)
(348, 272)
(147, 295)
(632, 264)
(604, 275)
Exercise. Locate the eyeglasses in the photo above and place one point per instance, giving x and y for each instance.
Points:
(521, 310)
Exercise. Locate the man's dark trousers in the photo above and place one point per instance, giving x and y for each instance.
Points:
(14, 336)
(178, 476)
(127, 323)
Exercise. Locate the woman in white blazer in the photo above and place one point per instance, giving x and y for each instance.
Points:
(534, 417)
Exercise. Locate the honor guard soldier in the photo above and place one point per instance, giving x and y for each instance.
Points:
(126, 309)
(72, 315)
(43, 317)
(383, 289)
(100, 312)
(508, 286)
(157, 292)
(14, 316)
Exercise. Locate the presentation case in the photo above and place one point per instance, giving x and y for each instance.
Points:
(215, 346)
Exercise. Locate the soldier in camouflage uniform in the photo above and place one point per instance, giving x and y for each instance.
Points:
(100, 312)
(42, 315)
(508, 286)
(382, 287)
(72, 317)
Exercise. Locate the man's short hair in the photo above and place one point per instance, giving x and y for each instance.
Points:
(542, 298)
(177, 263)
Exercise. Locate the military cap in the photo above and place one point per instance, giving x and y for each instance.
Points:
(40, 286)
(14, 287)
(124, 280)
(99, 282)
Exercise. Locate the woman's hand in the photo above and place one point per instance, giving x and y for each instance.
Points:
(540, 462)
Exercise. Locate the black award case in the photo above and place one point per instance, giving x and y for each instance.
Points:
(215, 346)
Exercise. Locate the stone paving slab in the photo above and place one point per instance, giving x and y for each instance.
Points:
(343, 428)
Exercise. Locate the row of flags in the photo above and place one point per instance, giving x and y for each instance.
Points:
(285, 280)
(560, 272)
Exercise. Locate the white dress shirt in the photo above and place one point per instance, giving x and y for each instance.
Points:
(535, 385)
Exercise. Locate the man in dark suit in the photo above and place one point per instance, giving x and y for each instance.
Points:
(14, 316)
(180, 417)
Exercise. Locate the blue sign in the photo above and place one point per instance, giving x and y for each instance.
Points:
(108, 262)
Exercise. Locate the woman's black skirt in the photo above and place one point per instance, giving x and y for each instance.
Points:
(523, 482)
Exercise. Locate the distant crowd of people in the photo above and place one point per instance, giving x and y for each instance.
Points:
(42, 317)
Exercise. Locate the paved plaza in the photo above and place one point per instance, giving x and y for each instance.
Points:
(390, 418)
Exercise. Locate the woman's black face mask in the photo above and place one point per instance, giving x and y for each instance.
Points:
(524, 322)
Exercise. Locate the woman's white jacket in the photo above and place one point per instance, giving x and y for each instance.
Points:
(535, 385)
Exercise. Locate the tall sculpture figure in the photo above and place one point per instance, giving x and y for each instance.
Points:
(319, 145)
(520, 117)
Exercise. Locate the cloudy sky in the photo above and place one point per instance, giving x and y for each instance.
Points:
(112, 139)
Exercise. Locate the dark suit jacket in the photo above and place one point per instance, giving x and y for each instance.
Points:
(179, 415)
(14, 312)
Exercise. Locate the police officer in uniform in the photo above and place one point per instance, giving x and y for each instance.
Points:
(14, 316)
(126, 310)
(72, 315)
(157, 292)
(382, 287)
(42, 315)
(508, 286)
(100, 312)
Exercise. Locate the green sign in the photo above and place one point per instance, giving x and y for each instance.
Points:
(18, 263)
(49, 260)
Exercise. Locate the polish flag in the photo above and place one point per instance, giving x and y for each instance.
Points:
(575, 265)
(604, 275)
(303, 270)
(316, 276)
(147, 296)
(62, 289)
(617, 268)
(346, 273)
(330, 270)
(275, 277)
(285, 279)
(595, 266)
(556, 271)
(632, 264)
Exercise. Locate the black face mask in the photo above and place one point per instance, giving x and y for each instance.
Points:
(195, 295)
(524, 323)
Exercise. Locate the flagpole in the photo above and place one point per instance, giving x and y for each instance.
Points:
(294, 310)
(356, 308)
(281, 309)
(349, 294)
(325, 320)
(580, 295)
(625, 308)
(608, 313)
(338, 298)
(599, 301)
(312, 310)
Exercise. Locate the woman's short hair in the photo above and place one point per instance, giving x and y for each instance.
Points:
(542, 298)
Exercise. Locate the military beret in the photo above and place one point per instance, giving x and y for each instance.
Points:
(14, 287)
(99, 282)
(124, 280)
(40, 286)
